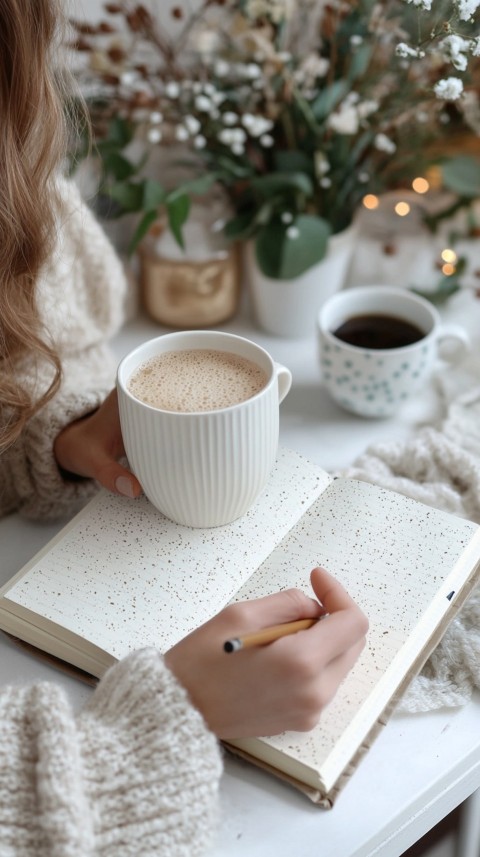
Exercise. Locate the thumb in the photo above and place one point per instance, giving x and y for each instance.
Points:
(116, 478)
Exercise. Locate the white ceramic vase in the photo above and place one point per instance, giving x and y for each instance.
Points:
(290, 308)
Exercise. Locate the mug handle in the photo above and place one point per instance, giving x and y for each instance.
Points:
(453, 343)
(284, 380)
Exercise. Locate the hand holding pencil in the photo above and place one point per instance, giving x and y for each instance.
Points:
(269, 687)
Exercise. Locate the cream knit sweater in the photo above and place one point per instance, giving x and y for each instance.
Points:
(81, 298)
(134, 775)
(137, 772)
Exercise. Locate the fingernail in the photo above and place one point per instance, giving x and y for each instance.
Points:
(124, 486)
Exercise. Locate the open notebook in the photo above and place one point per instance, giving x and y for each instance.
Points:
(120, 576)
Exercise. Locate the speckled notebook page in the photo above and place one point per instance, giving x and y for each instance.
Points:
(122, 576)
(399, 560)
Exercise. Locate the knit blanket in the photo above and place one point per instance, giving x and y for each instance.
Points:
(440, 466)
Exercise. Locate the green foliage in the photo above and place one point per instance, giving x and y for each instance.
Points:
(462, 175)
(284, 252)
(122, 181)
(307, 115)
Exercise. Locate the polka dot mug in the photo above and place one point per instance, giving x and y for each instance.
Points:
(365, 367)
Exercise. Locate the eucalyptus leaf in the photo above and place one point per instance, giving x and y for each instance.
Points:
(293, 161)
(120, 132)
(281, 256)
(196, 187)
(177, 210)
(462, 175)
(275, 182)
(360, 60)
(329, 98)
(241, 226)
(128, 195)
(118, 166)
(146, 222)
(154, 195)
(233, 168)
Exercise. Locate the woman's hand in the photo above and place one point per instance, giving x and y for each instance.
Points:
(91, 447)
(283, 685)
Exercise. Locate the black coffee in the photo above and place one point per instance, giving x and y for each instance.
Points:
(378, 331)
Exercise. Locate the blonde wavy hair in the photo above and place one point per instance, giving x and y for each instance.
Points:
(32, 144)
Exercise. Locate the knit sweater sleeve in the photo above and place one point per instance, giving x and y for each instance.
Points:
(136, 772)
(32, 483)
(81, 298)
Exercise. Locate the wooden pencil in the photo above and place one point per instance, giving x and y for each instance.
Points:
(267, 635)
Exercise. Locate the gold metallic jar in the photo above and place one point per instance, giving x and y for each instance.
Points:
(195, 287)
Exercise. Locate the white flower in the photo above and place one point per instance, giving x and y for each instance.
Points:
(448, 89)
(325, 182)
(356, 40)
(156, 118)
(426, 5)
(384, 144)
(238, 148)
(221, 68)
(475, 47)
(218, 98)
(344, 121)
(454, 48)
(311, 69)
(276, 10)
(172, 89)
(248, 119)
(287, 217)
(267, 141)
(230, 118)
(128, 78)
(154, 135)
(181, 133)
(225, 136)
(238, 135)
(403, 50)
(293, 232)
(200, 142)
(203, 103)
(365, 108)
(251, 71)
(192, 124)
(322, 165)
(232, 136)
(256, 125)
(467, 9)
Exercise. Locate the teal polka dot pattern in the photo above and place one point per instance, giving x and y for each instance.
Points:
(373, 384)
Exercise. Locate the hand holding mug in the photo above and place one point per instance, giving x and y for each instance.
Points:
(199, 413)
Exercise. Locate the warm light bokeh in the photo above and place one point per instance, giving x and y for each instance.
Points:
(449, 256)
(420, 185)
(370, 201)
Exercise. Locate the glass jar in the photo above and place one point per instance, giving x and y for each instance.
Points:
(195, 287)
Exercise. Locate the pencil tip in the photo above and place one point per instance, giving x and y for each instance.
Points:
(232, 645)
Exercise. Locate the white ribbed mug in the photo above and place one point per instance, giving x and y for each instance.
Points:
(203, 469)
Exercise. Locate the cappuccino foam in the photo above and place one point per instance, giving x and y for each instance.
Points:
(198, 379)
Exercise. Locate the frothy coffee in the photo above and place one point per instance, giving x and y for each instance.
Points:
(197, 379)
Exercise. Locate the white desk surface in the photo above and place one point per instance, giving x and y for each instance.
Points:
(420, 767)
